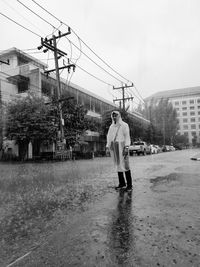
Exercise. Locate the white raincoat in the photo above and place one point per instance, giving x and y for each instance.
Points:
(118, 138)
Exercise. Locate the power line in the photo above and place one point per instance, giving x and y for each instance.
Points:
(36, 14)
(93, 75)
(20, 14)
(87, 46)
(69, 41)
(19, 24)
(41, 37)
(139, 93)
(96, 63)
(81, 40)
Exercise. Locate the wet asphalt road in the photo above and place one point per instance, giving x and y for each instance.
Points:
(158, 224)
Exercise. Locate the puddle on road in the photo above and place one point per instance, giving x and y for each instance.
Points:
(159, 183)
(166, 179)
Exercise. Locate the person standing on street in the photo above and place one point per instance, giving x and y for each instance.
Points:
(118, 142)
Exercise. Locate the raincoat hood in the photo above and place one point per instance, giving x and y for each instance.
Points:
(118, 118)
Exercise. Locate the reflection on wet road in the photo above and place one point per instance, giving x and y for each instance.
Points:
(120, 236)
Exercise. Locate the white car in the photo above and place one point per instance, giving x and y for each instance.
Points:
(172, 148)
(152, 149)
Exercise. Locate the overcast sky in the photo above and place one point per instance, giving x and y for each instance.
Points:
(154, 44)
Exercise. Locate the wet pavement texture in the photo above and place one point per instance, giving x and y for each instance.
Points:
(157, 224)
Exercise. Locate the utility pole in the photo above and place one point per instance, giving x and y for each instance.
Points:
(50, 44)
(123, 99)
(2, 126)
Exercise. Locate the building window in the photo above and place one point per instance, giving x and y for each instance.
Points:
(192, 113)
(193, 126)
(194, 133)
(185, 120)
(198, 112)
(22, 86)
(192, 119)
(177, 109)
(192, 107)
(184, 113)
(185, 127)
(176, 103)
(184, 108)
(199, 127)
(198, 107)
(191, 101)
(198, 119)
(198, 100)
(184, 102)
(186, 133)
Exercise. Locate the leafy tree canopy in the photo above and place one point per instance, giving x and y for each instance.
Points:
(29, 119)
(75, 119)
(163, 118)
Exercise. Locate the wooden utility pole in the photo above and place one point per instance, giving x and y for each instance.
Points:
(123, 99)
(51, 44)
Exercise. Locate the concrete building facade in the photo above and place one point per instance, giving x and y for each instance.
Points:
(25, 73)
(186, 101)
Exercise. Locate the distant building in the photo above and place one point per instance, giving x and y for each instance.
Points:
(25, 73)
(186, 101)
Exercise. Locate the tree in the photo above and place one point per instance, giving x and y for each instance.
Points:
(180, 140)
(75, 121)
(163, 118)
(1, 126)
(29, 119)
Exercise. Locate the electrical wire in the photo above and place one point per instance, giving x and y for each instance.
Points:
(92, 75)
(35, 13)
(139, 93)
(81, 41)
(70, 43)
(68, 39)
(20, 14)
(41, 37)
(90, 50)
(95, 62)
(20, 25)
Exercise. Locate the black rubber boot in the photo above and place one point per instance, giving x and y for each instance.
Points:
(128, 180)
(122, 183)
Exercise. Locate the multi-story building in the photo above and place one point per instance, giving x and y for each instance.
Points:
(25, 73)
(186, 101)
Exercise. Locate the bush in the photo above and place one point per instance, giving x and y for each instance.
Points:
(82, 155)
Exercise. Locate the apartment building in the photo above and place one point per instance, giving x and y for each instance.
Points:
(186, 101)
(24, 73)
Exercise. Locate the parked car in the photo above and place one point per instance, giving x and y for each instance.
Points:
(172, 148)
(139, 147)
(152, 149)
(165, 148)
(159, 149)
